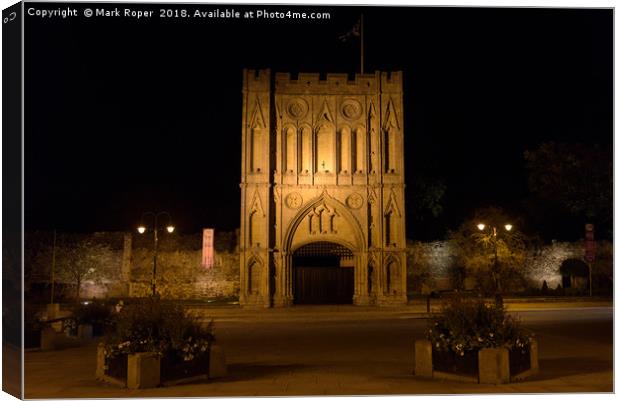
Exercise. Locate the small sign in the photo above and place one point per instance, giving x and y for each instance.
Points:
(207, 247)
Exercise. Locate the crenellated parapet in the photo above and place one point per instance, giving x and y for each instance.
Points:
(311, 83)
(392, 81)
(256, 80)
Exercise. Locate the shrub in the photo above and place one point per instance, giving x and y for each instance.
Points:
(470, 325)
(155, 326)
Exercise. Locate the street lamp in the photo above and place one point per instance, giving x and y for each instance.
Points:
(498, 289)
(143, 228)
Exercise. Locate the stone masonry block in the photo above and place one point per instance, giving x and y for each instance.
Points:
(493, 366)
(217, 362)
(143, 370)
(423, 358)
(534, 356)
(100, 371)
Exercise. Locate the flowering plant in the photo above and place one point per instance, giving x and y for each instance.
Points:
(156, 326)
(70, 326)
(470, 325)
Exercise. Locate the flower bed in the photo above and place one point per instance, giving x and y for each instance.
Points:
(458, 335)
(161, 335)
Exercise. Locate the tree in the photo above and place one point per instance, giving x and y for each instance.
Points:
(428, 197)
(494, 256)
(426, 201)
(575, 178)
(83, 259)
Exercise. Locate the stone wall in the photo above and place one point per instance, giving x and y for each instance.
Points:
(180, 273)
(431, 266)
(128, 270)
(545, 262)
(428, 266)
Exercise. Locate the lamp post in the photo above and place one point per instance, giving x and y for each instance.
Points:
(493, 230)
(143, 228)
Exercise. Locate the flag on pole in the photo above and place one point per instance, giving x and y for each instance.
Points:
(357, 31)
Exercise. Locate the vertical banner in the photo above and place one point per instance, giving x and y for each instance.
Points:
(207, 247)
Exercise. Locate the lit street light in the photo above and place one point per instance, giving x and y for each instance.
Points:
(498, 289)
(143, 228)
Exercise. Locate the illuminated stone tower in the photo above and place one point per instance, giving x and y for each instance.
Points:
(322, 190)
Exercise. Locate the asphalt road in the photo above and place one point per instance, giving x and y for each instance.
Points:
(571, 341)
(322, 352)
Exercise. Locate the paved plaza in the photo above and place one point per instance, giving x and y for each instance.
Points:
(346, 350)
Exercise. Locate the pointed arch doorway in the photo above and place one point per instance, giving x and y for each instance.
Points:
(323, 274)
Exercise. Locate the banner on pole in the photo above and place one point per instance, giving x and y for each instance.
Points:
(207, 247)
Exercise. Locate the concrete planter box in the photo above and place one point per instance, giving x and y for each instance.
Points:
(144, 369)
(493, 365)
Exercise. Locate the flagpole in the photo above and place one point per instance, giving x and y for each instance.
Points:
(362, 42)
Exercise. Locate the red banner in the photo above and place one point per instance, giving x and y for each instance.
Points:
(207, 247)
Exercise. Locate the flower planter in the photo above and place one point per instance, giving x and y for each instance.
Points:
(147, 369)
(488, 366)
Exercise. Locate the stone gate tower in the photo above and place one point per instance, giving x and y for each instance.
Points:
(322, 190)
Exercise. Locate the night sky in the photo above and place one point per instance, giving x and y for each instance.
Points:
(126, 116)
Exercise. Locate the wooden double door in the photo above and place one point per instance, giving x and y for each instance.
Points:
(321, 280)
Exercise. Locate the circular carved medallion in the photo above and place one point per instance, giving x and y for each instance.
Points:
(351, 109)
(355, 201)
(294, 200)
(297, 108)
